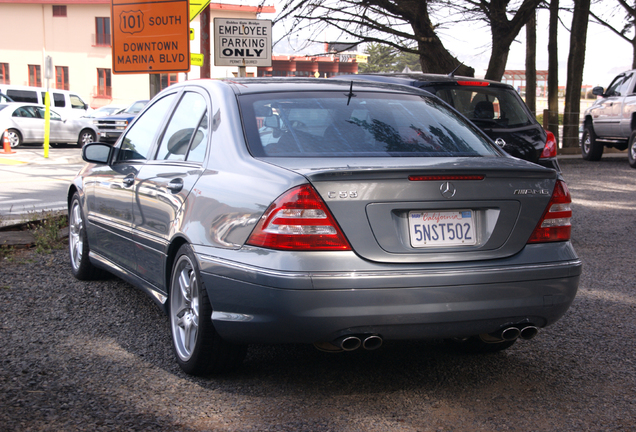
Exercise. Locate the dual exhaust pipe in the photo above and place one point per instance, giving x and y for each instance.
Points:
(353, 342)
(511, 333)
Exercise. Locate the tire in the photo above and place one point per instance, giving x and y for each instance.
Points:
(475, 345)
(198, 347)
(631, 150)
(15, 139)
(78, 248)
(591, 149)
(86, 136)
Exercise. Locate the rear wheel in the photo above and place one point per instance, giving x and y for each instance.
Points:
(631, 150)
(15, 139)
(591, 149)
(198, 347)
(476, 345)
(86, 136)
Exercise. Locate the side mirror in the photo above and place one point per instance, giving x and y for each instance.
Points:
(598, 91)
(97, 153)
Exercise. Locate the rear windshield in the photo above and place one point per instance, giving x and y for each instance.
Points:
(334, 124)
(487, 107)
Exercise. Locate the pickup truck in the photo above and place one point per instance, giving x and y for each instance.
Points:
(111, 127)
(611, 121)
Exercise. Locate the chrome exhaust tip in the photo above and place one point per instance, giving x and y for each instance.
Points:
(348, 343)
(510, 333)
(528, 332)
(372, 343)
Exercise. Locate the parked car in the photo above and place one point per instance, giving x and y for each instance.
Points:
(496, 108)
(611, 120)
(111, 126)
(64, 102)
(24, 123)
(106, 110)
(372, 212)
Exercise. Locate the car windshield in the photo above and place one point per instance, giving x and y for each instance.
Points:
(487, 107)
(338, 124)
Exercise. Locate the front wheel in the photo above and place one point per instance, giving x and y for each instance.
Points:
(81, 266)
(198, 347)
(591, 149)
(86, 136)
(631, 150)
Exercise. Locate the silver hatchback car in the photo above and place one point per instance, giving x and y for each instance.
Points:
(333, 213)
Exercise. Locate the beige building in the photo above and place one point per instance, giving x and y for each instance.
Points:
(76, 34)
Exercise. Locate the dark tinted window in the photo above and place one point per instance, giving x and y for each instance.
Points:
(331, 124)
(487, 107)
(23, 95)
(139, 138)
(58, 100)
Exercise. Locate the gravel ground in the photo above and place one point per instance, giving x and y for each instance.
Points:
(97, 356)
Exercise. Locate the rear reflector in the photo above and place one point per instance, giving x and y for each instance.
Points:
(298, 220)
(555, 223)
(550, 149)
(445, 177)
(473, 83)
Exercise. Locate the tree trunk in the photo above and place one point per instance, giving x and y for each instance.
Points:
(531, 64)
(434, 58)
(576, 60)
(553, 71)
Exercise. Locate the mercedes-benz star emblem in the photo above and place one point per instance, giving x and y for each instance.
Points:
(447, 190)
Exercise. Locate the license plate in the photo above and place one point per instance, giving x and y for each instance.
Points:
(442, 228)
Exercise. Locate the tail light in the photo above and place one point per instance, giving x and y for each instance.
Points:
(550, 148)
(298, 220)
(555, 223)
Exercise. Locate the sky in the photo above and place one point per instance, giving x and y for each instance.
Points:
(606, 53)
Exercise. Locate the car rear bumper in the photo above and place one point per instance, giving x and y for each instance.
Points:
(256, 305)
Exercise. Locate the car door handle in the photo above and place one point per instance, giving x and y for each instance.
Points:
(129, 180)
(175, 185)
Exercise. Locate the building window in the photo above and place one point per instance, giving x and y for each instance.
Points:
(59, 11)
(102, 31)
(4, 73)
(35, 76)
(103, 83)
(168, 79)
(61, 77)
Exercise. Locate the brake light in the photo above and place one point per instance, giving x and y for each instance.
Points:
(550, 149)
(474, 83)
(555, 223)
(298, 220)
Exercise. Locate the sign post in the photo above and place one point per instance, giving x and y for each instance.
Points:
(240, 42)
(150, 36)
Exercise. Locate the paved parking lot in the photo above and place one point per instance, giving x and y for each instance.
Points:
(97, 356)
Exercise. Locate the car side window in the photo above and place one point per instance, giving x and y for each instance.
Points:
(618, 87)
(138, 140)
(76, 102)
(182, 132)
(58, 100)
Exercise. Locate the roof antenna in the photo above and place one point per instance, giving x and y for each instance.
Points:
(350, 94)
(452, 74)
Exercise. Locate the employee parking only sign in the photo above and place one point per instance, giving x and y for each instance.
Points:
(242, 42)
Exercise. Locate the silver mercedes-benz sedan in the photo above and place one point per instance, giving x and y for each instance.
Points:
(334, 213)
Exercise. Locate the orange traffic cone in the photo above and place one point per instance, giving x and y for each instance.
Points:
(6, 144)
